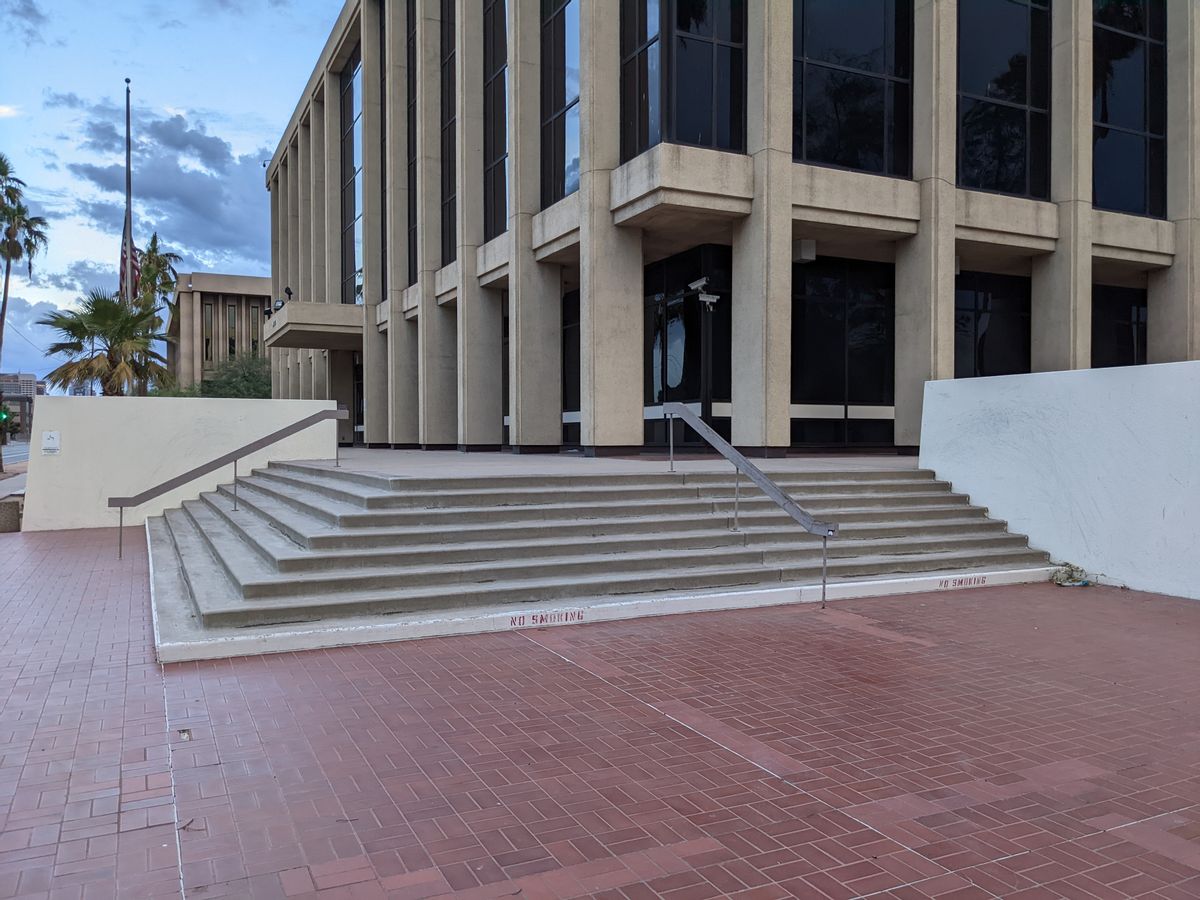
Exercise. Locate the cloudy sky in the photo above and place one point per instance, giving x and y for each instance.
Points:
(214, 83)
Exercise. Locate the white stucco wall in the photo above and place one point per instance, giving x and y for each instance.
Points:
(120, 446)
(1099, 467)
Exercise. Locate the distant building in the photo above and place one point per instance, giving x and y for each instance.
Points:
(214, 317)
(21, 384)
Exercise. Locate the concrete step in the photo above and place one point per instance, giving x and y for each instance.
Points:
(308, 544)
(670, 488)
(302, 518)
(719, 475)
(258, 575)
(318, 605)
(285, 555)
(347, 513)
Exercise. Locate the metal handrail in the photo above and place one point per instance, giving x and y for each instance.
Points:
(760, 479)
(212, 465)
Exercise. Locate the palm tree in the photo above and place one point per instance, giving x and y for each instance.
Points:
(106, 340)
(156, 287)
(22, 236)
(10, 185)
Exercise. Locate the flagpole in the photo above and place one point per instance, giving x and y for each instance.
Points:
(128, 201)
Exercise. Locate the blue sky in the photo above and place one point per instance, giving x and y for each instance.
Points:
(214, 84)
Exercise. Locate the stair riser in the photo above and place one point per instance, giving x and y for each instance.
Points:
(448, 517)
(717, 477)
(588, 528)
(534, 567)
(493, 498)
(750, 519)
(207, 537)
(675, 583)
(477, 595)
(448, 554)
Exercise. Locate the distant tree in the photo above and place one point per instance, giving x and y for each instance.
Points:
(108, 341)
(22, 236)
(246, 376)
(156, 290)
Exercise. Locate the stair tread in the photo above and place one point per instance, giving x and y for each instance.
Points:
(752, 576)
(250, 569)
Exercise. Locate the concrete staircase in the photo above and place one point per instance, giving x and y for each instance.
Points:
(309, 543)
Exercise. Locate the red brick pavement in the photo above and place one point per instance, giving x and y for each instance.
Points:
(1016, 742)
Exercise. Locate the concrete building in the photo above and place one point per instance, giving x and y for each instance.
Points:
(215, 317)
(528, 223)
(21, 384)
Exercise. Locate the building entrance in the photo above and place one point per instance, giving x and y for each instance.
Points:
(688, 341)
(843, 353)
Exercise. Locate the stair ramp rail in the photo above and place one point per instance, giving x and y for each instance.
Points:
(759, 478)
(122, 503)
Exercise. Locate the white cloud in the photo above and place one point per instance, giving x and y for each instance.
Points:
(9, 112)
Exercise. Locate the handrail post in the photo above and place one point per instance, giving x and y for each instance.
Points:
(737, 494)
(824, 566)
(235, 509)
(337, 453)
(671, 438)
(120, 531)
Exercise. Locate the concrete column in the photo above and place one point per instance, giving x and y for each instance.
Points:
(1061, 319)
(1173, 316)
(375, 364)
(293, 270)
(341, 389)
(318, 228)
(762, 242)
(183, 352)
(192, 365)
(611, 318)
(534, 289)
(401, 335)
(277, 244)
(925, 262)
(292, 279)
(480, 319)
(328, 207)
(436, 328)
(276, 379)
(333, 189)
(304, 283)
(284, 274)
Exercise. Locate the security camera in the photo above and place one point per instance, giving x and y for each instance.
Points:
(699, 284)
(709, 299)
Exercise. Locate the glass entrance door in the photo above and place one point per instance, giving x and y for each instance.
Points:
(688, 340)
(843, 353)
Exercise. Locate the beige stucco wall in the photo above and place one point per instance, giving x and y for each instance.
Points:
(120, 446)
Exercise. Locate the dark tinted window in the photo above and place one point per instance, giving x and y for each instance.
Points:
(1129, 88)
(683, 74)
(843, 333)
(352, 179)
(495, 119)
(851, 81)
(1118, 326)
(560, 99)
(991, 325)
(1004, 96)
(449, 161)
